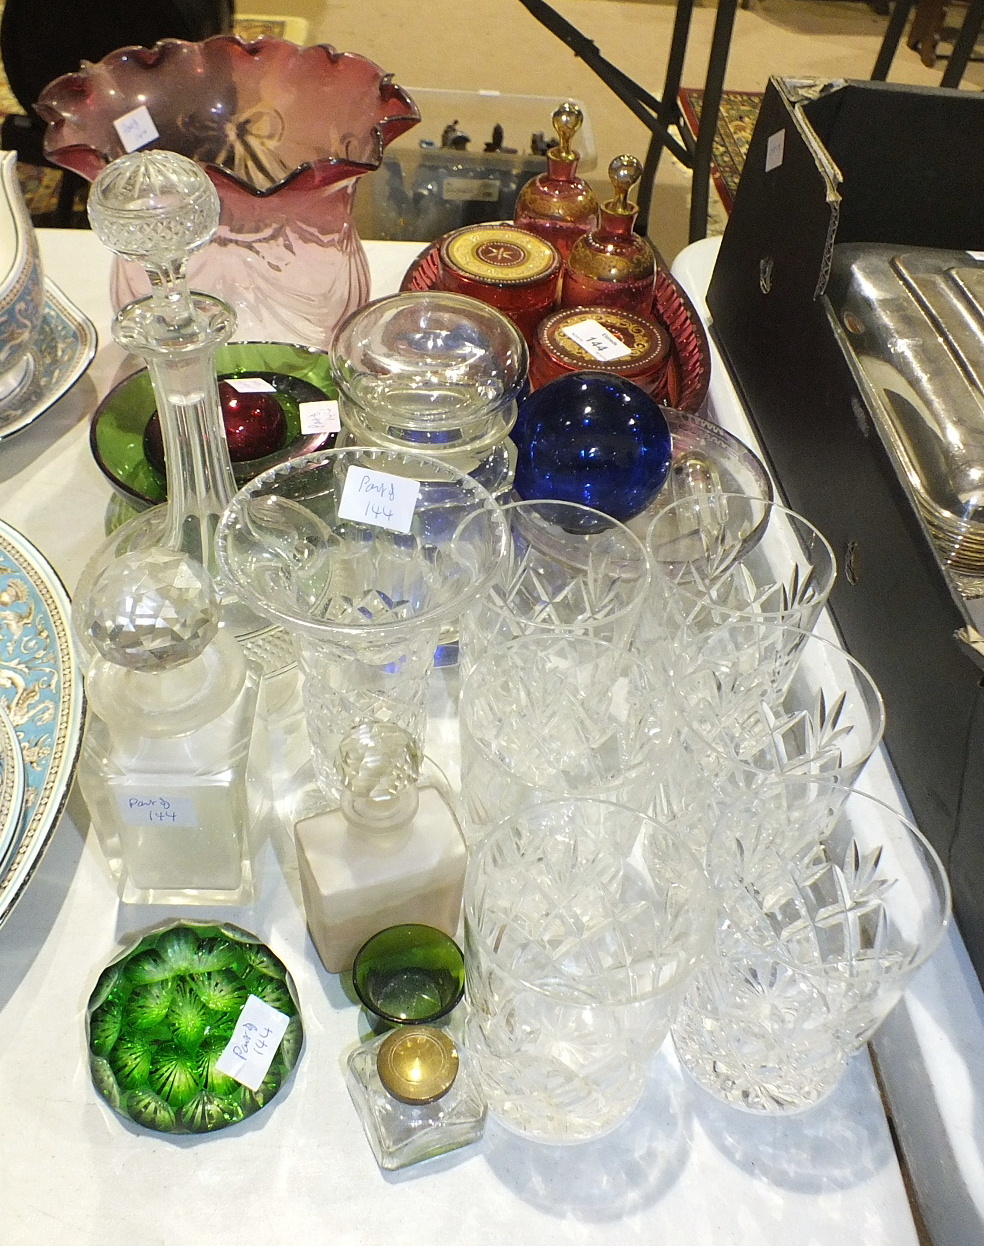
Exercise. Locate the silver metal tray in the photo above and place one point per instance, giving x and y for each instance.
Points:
(913, 321)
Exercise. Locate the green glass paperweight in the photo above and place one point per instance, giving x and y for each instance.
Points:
(194, 1028)
(409, 975)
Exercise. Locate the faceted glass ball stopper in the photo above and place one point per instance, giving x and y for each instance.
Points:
(378, 759)
(154, 207)
(567, 120)
(623, 173)
(151, 610)
(379, 763)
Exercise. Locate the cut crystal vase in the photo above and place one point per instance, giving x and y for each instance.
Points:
(365, 602)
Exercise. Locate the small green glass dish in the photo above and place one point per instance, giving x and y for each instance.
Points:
(409, 975)
(116, 434)
(164, 1011)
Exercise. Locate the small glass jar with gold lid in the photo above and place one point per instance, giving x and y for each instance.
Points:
(600, 339)
(506, 267)
(557, 204)
(417, 1095)
(612, 266)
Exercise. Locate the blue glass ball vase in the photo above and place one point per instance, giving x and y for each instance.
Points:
(592, 438)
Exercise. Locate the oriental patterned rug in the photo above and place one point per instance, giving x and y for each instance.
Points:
(739, 110)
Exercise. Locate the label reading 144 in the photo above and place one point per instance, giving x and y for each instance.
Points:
(248, 1054)
(145, 807)
(379, 499)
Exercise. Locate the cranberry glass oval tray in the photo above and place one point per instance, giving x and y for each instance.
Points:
(688, 371)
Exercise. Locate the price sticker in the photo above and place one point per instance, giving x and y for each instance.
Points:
(136, 128)
(248, 1054)
(592, 336)
(378, 498)
(320, 417)
(252, 385)
(153, 809)
(775, 150)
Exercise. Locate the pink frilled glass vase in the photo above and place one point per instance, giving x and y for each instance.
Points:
(284, 133)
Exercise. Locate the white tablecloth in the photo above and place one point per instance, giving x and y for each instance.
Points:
(681, 1169)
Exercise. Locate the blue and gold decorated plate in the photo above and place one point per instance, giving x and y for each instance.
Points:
(61, 351)
(41, 693)
(11, 782)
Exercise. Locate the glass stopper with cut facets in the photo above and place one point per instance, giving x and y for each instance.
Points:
(151, 610)
(156, 208)
(153, 207)
(379, 763)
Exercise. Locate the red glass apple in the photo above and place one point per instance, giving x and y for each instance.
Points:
(255, 426)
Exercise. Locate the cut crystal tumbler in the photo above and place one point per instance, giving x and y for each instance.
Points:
(549, 716)
(364, 602)
(584, 923)
(763, 716)
(811, 950)
(568, 569)
(723, 557)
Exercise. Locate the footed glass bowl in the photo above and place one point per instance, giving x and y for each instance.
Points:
(162, 1014)
(116, 435)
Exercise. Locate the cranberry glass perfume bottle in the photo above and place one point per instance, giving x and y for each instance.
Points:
(612, 266)
(558, 205)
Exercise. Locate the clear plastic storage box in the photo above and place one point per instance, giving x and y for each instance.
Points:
(426, 187)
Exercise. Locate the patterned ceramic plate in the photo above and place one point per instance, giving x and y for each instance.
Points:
(64, 348)
(41, 692)
(11, 783)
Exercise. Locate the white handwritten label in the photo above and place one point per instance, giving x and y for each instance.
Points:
(599, 342)
(470, 190)
(136, 128)
(378, 498)
(141, 807)
(775, 150)
(252, 385)
(320, 416)
(250, 1051)
(976, 255)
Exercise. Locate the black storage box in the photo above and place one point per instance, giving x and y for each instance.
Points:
(864, 162)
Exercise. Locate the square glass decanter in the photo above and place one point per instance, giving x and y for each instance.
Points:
(417, 1095)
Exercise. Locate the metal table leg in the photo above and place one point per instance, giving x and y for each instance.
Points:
(717, 64)
(893, 36)
(964, 46)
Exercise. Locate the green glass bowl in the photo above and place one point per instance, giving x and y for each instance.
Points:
(409, 975)
(116, 434)
(161, 1015)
